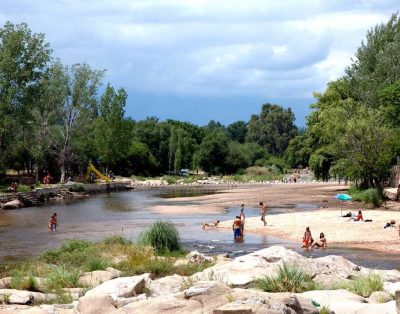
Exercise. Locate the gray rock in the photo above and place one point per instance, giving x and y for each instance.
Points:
(166, 285)
(122, 287)
(23, 297)
(391, 287)
(96, 303)
(14, 204)
(380, 297)
(196, 257)
(233, 308)
(97, 277)
(121, 302)
(397, 297)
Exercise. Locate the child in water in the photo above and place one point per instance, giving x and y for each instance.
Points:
(52, 225)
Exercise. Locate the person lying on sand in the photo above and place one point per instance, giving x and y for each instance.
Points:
(321, 242)
(359, 217)
(391, 223)
(210, 224)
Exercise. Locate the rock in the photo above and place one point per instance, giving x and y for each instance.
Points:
(121, 302)
(14, 204)
(96, 303)
(165, 305)
(75, 293)
(380, 297)
(14, 296)
(391, 287)
(233, 308)
(122, 287)
(397, 297)
(196, 257)
(166, 285)
(5, 283)
(97, 277)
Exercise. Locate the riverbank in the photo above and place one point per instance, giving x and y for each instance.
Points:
(290, 223)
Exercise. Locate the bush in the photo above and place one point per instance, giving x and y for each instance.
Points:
(163, 236)
(62, 277)
(97, 263)
(364, 285)
(116, 240)
(77, 187)
(369, 196)
(74, 252)
(290, 278)
(23, 283)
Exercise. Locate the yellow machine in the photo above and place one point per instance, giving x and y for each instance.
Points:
(98, 174)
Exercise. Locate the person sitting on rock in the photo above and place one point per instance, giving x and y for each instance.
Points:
(13, 187)
(321, 242)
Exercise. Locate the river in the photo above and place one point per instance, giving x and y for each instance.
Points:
(24, 232)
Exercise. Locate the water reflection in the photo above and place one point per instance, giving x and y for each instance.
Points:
(24, 232)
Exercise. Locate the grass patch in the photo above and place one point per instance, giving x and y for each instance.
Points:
(162, 236)
(369, 196)
(116, 240)
(62, 277)
(324, 310)
(363, 285)
(20, 282)
(97, 263)
(289, 278)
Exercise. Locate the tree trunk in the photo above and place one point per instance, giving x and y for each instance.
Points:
(62, 179)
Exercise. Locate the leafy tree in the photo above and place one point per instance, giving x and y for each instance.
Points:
(112, 137)
(273, 128)
(77, 109)
(237, 131)
(24, 57)
(213, 152)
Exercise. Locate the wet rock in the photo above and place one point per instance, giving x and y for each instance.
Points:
(122, 287)
(14, 204)
(196, 257)
(96, 303)
(380, 297)
(166, 285)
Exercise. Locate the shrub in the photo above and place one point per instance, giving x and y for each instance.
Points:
(116, 240)
(369, 196)
(77, 187)
(289, 278)
(364, 285)
(163, 236)
(62, 277)
(325, 310)
(74, 252)
(23, 283)
(97, 263)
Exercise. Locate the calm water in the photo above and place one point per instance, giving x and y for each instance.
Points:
(24, 232)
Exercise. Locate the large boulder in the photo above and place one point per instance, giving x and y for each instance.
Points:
(124, 287)
(97, 277)
(14, 296)
(166, 285)
(14, 204)
(96, 303)
(391, 287)
(165, 305)
(397, 297)
(380, 297)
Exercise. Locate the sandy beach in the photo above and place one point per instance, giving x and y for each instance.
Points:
(291, 223)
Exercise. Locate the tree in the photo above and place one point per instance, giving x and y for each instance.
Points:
(237, 131)
(112, 137)
(24, 57)
(273, 128)
(77, 109)
(213, 152)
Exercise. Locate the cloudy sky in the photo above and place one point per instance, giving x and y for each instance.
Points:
(198, 60)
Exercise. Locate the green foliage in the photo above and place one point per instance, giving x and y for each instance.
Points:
(363, 285)
(325, 310)
(116, 240)
(289, 278)
(163, 236)
(77, 187)
(97, 263)
(237, 131)
(20, 282)
(273, 128)
(62, 277)
(213, 152)
(371, 196)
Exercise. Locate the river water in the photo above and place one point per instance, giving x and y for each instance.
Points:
(24, 232)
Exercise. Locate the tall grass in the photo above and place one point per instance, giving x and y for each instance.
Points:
(289, 278)
(369, 196)
(163, 236)
(363, 285)
(62, 277)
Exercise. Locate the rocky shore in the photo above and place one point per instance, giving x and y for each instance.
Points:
(226, 287)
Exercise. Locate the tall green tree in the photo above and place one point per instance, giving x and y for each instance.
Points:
(24, 56)
(213, 152)
(111, 135)
(237, 131)
(273, 128)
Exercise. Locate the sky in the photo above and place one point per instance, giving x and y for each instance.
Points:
(202, 60)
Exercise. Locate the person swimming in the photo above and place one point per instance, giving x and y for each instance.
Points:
(210, 224)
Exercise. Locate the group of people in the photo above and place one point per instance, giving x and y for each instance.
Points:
(308, 241)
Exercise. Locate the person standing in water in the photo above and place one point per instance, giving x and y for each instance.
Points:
(53, 223)
(242, 219)
(236, 227)
(263, 212)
